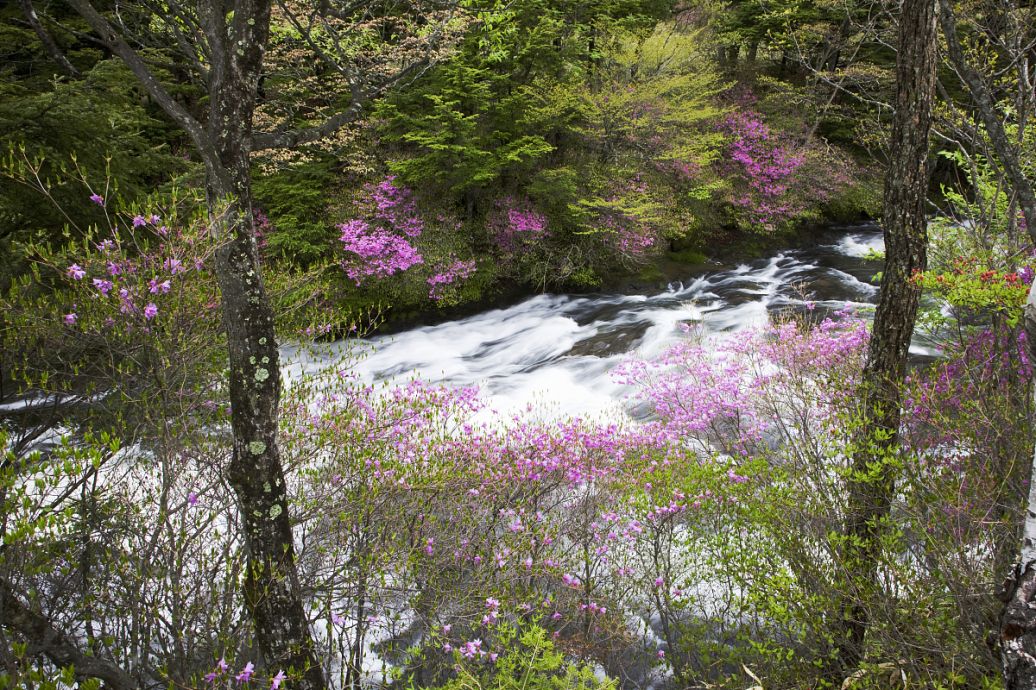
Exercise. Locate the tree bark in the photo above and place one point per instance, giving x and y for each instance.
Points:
(1018, 621)
(272, 592)
(906, 239)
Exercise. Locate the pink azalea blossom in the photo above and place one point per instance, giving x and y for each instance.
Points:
(246, 673)
(103, 286)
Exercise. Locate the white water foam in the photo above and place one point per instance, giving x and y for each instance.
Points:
(551, 355)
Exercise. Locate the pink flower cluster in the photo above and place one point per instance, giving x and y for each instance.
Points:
(516, 225)
(376, 252)
(720, 394)
(632, 241)
(394, 206)
(458, 270)
(118, 275)
(767, 168)
(377, 244)
(245, 675)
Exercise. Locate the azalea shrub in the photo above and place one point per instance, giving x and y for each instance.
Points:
(394, 236)
(114, 318)
(436, 538)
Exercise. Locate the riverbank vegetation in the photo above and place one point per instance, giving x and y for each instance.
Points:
(186, 188)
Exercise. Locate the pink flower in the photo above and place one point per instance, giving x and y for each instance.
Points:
(246, 673)
(659, 581)
(103, 286)
(661, 654)
(374, 251)
(155, 287)
(76, 272)
(70, 319)
(446, 629)
(192, 498)
(139, 221)
(471, 649)
(150, 311)
(97, 199)
(277, 680)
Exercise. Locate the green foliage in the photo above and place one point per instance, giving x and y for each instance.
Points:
(465, 129)
(100, 120)
(531, 662)
(976, 290)
(688, 256)
(604, 126)
(294, 199)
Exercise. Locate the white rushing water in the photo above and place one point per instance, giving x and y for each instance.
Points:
(552, 354)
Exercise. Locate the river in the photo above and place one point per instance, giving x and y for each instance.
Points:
(551, 355)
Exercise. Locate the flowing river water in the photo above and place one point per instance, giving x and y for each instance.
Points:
(551, 355)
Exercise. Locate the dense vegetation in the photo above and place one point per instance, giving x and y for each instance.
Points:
(311, 171)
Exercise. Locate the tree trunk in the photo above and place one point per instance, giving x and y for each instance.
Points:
(906, 239)
(272, 592)
(47, 40)
(753, 52)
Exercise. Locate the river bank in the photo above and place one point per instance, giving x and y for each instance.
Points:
(678, 263)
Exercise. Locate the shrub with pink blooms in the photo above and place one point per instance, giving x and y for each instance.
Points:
(393, 238)
(767, 169)
(141, 292)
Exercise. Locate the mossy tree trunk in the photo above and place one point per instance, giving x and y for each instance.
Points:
(872, 482)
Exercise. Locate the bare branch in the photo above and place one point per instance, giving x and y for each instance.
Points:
(47, 40)
(43, 636)
(990, 118)
(177, 112)
(308, 135)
